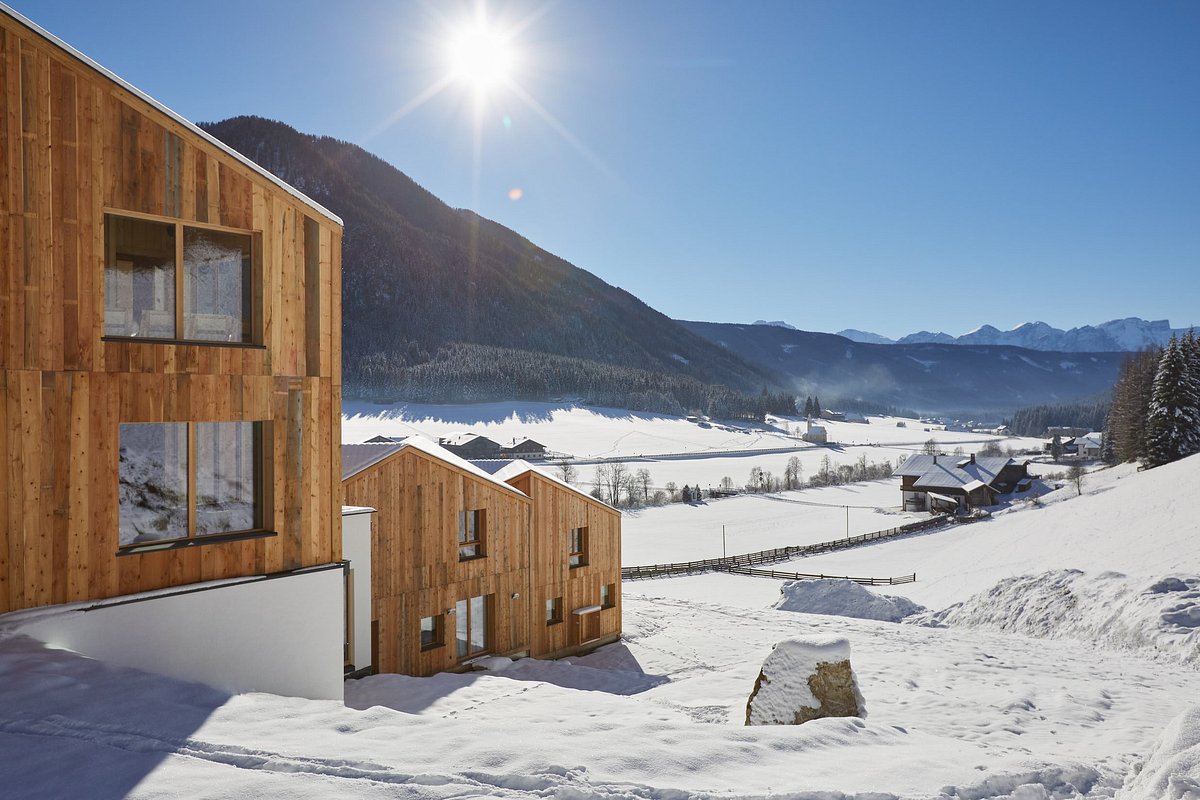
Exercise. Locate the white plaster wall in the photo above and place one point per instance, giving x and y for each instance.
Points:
(356, 548)
(282, 635)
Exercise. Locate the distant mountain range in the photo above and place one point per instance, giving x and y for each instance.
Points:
(1115, 336)
(442, 305)
(927, 377)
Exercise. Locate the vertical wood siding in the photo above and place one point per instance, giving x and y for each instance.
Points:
(74, 145)
(415, 570)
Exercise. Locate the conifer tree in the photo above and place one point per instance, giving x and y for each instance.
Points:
(1173, 424)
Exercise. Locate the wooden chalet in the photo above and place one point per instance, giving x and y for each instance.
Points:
(170, 340)
(943, 483)
(575, 564)
(449, 556)
(524, 448)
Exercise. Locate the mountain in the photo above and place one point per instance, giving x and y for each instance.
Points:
(929, 377)
(1115, 336)
(866, 337)
(777, 323)
(441, 304)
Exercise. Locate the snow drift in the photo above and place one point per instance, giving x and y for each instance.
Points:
(842, 598)
(1114, 610)
(1172, 770)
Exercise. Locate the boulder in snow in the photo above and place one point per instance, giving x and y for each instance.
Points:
(805, 679)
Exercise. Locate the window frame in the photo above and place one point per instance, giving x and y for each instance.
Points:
(255, 310)
(577, 557)
(479, 543)
(554, 611)
(488, 613)
(262, 492)
(439, 632)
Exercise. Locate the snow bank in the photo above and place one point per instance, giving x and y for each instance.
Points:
(796, 671)
(1108, 608)
(1172, 771)
(842, 598)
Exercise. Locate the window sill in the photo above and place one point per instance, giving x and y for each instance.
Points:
(428, 647)
(472, 558)
(184, 342)
(552, 623)
(197, 541)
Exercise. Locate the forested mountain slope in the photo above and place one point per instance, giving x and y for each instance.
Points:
(935, 378)
(429, 292)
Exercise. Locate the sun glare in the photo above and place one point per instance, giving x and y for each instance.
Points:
(481, 58)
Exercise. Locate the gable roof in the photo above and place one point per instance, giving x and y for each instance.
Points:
(515, 469)
(461, 439)
(951, 471)
(191, 127)
(358, 457)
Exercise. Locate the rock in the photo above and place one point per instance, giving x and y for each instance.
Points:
(805, 679)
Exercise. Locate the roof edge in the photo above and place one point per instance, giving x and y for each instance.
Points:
(177, 118)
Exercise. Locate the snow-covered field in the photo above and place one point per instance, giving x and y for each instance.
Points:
(671, 448)
(1057, 686)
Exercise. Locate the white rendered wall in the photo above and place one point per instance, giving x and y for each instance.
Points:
(356, 548)
(281, 635)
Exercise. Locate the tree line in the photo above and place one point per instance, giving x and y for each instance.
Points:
(1034, 421)
(1155, 413)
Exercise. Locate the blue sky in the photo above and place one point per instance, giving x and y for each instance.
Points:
(878, 165)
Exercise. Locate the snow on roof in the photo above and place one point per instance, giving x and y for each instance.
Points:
(973, 485)
(192, 128)
(519, 467)
(460, 439)
(949, 472)
(357, 457)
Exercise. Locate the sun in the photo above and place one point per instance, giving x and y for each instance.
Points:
(481, 57)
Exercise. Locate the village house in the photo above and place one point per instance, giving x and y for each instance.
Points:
(524, 448)
(170, 388)
(575, 564)
(943, 483)
(471, 445)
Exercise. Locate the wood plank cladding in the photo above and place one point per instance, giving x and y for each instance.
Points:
(75, 145)
(556, 510)
(415, 566)
(416, 571)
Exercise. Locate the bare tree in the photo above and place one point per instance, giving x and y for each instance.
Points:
(1076, 474)
(672, 491)
(643, 479)
(727, 483)
(930, 448)
(618, 473)
(566, 471)
(791, 473)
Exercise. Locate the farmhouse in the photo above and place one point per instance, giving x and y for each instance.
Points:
(170, 385)
(471, 445)
(575, 564)
(958, 483)
(524, 448)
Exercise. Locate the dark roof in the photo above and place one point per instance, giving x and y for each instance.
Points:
(948, 472)
(357, 457)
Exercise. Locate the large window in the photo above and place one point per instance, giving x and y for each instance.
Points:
(471, 626)
(148, 295)
(578, 554)
(181, 480)
(471, 530)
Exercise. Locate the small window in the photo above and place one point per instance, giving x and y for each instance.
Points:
(180, 480)
(432, 632)
(471, 626)
(608, 595)
(554, 608)
(578, 556)
(471, 534)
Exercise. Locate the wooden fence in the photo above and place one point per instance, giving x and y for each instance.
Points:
(774, 556)
(807, 576)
